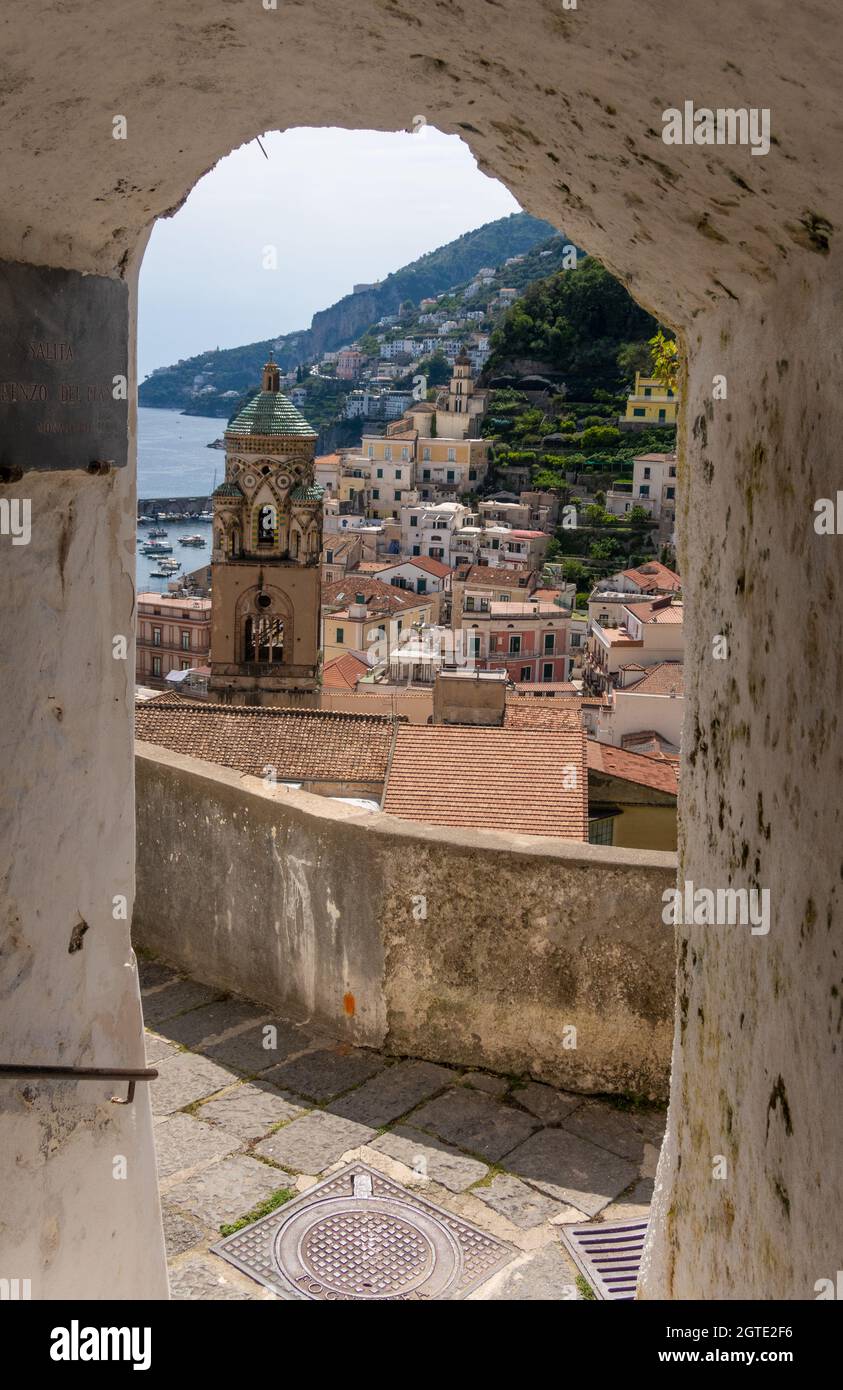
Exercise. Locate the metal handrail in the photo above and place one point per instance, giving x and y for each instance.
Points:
(130, 1074)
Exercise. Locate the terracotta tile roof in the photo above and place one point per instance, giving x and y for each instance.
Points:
(660, 773)
(505, 576)
(302, 744)
(658, 610)
(540, 688)
(425, 562)
(371, 567)
(492, 779)
(540, 714)
(379, 597)
(343, 672)
(654, 575)
(663, 679)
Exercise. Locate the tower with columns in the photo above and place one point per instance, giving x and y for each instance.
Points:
(265, 563)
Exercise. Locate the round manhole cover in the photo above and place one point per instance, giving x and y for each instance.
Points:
(369, 1247)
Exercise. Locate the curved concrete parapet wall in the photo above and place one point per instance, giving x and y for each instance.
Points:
(515, 953)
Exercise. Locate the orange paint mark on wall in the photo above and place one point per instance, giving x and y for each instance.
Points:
(349, 1004)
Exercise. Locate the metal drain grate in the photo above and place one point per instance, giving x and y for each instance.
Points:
(358, 1235)
(609, 1255)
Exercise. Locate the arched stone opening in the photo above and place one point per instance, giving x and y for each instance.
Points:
(738, 254)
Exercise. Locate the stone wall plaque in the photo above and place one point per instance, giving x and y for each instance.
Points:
(63, 370)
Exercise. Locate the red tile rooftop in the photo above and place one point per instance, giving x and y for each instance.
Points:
(492, 576)
(492, 779)
(654, 575)
(378, 597)
(658, 611)
(301, 744)
(343, 672)
(660, 773)
(665, 679)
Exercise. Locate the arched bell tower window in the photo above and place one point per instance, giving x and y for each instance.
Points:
(267, 525)
(264, 639)
(234, 543)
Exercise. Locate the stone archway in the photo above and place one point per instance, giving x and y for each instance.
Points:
(739, 254)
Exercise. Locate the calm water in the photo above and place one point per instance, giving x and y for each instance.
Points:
(173, 461)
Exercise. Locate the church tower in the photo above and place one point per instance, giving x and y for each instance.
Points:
(265, 563)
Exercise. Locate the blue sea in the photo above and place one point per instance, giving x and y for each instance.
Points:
(174, 461)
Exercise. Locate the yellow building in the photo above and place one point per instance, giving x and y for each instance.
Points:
(362, 614)
(651, 403)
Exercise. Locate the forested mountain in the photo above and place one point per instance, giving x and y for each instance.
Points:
(573, 326)
(238, 369)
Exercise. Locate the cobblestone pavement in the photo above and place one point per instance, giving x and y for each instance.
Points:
(237, 1124)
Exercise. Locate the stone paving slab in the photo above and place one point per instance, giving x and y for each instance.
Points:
(565, 1157)
(175, 998)
(247, 1052)
(548, 1105)
(201, 1025)
(571, 1169)
(482, 1081)
(476, 1122)
(184, 1078)
(430, 1158)
(227, 1190)
(393, 1092)
(154, 972)
(520, 1204)
(623, 1132)
(183, 1142)
(544, 1275)
(157, 1048)
(635, 1202)
(311, 1144)
(250, 1111)
(182, 1233)
(325, 1074)
(206, 1276)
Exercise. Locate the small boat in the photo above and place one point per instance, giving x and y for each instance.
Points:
(192, 540)
(156, 548)
(205, 516)
(160, 574)
(156, 532)
(144, 521)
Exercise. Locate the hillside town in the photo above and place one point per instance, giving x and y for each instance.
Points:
(398, 623)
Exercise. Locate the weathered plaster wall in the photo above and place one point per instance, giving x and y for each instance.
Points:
(757, 1051)
(472, 948)
(735, 251)
(66, 849)
(259, 890)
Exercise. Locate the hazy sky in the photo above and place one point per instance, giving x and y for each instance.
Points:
(338, 206)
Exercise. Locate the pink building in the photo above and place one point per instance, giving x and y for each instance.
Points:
(527, 640)
(173, 634)
(349, 362)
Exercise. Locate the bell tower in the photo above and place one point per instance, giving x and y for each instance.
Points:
(265, 563)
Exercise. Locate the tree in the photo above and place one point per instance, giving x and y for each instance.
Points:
(600, 437)
(664, 354)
